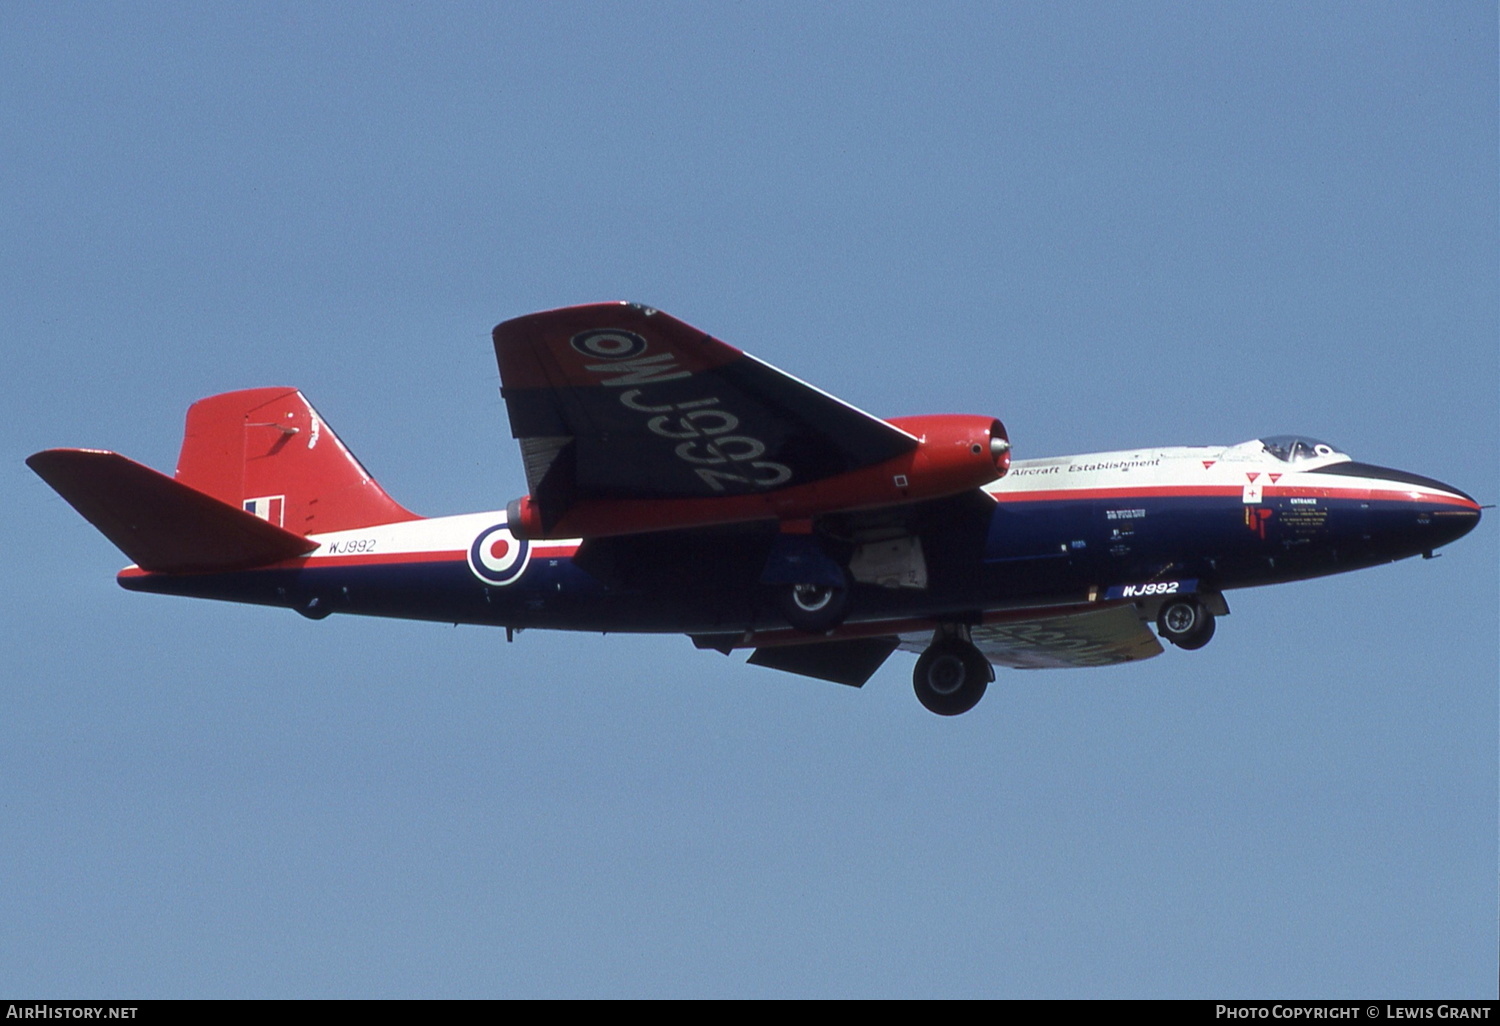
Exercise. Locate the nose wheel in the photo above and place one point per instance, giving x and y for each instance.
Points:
(951, 676)
(1185, 623)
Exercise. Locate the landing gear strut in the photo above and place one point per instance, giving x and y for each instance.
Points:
(1185, 623)
(952, 675)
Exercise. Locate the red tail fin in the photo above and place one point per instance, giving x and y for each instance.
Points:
(266, 451)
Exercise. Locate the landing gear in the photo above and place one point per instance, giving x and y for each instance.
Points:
(814, 608)
(951, 676)
(1185, 623)
(812, 589)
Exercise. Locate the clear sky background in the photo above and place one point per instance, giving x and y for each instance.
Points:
(1109, 224)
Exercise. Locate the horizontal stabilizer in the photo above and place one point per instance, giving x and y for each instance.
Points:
(844, 662)
(163, 525)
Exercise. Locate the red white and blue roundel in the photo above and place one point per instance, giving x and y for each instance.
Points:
(609, 343)
(498, 557)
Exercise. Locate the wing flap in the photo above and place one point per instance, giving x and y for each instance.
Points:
(849, 662)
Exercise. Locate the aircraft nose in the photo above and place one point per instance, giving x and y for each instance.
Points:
(1442, 513)
(1449, 521)
(1403, 514)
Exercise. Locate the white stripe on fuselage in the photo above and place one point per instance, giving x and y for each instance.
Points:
(1215, 469)
(413, 537)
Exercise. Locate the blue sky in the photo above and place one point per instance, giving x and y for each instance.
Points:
(1110, 225)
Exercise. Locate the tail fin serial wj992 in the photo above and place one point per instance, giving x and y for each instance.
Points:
(258, 472)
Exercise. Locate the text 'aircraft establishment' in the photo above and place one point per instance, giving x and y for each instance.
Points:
(678, 485)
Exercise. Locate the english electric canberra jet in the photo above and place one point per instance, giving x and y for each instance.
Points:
(678, 485)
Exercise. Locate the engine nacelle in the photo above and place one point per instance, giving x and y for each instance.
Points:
(955, 453)
(524, 519)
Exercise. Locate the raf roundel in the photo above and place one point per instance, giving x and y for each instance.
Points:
(498, 557)
(608, 343)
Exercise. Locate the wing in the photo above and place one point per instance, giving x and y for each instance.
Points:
(619, 403)
(1093, 638)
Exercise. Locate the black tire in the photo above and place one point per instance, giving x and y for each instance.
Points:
(1185, 623)
(814, 608)
(951, 677)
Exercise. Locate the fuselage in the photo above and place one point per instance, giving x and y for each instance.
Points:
(1093, 528)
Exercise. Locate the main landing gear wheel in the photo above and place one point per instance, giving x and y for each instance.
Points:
(951, 677)
(1185, 623)
(814, 608)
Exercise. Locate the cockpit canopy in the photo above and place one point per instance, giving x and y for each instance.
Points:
(1298, 448)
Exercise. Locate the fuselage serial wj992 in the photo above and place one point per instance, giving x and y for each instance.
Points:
(678, 485)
